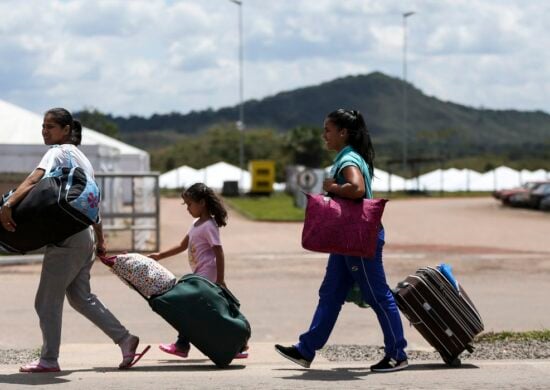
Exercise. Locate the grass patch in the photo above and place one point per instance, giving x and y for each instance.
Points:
(532, 335)
(280, 206)
(277, 207)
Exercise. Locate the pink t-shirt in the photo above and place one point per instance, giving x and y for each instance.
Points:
(202, 258)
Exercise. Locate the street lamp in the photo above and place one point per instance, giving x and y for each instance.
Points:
(240, 122)
(405, 132)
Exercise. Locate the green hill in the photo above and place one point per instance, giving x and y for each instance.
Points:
(435, 127)
(377, 95)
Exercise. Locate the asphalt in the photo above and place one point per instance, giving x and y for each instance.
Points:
(93, 366)
(277, 281)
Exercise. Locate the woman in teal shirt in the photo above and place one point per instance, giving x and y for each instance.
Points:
(346, 133)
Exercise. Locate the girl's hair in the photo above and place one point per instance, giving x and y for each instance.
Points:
(358, 134)
(214, 205)
(64, 118)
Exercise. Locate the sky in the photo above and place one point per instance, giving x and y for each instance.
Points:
(134, 57)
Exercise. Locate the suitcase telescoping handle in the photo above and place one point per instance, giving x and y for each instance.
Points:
(400, 285)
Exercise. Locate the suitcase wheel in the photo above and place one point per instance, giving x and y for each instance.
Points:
(453, 361)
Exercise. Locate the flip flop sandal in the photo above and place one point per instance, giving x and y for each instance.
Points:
(37, 368)
(241, 355)
(135, 358)
(171, 349)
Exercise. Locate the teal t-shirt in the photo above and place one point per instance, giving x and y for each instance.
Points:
(346, 157)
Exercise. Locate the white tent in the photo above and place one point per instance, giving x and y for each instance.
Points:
(538, 175)
(181, 177)
(430, 181)
(22, 146)
(382, 181)
(450, 180)
(497, 179)
(214, 175)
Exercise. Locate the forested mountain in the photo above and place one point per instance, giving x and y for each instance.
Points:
(379, 97)
(443, 132)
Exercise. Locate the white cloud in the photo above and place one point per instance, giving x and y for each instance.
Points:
(146, 56)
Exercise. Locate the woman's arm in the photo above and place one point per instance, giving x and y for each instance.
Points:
(19, 194)
(100, 248)
(172, 251)
(354, 188)
(220, 264)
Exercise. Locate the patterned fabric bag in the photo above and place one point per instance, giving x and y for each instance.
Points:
(145, 274)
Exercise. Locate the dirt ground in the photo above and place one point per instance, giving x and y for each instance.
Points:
(501, 257)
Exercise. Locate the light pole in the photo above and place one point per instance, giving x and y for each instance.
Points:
(240, 122)
(405, 130)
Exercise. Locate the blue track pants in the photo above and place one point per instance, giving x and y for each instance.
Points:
(342, 272)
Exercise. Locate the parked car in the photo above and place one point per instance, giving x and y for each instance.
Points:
(505, 195)
(545, 203)
(536, 195)
(518, 200)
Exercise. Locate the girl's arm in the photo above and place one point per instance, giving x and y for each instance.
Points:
(354, 188)
(220, 264)
(18, 195)
(172, 251)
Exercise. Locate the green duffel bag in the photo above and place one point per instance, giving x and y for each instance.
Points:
(207, 315)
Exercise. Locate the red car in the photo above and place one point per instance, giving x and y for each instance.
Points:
(505, 196)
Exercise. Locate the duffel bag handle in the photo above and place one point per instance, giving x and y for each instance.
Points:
(229, 295)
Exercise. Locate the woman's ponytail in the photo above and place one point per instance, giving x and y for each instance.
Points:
(76, 133)
(358, 134)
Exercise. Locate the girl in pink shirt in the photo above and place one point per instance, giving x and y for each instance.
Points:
(204, 247)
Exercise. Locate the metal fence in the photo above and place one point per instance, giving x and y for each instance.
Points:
(130, 210)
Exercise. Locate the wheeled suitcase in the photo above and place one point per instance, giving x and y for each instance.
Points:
(441, 311)
(207, 315)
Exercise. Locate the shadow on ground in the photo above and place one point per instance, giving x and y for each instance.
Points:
(53, 378)
(354, 373)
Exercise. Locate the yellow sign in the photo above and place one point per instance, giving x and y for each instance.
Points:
(262, 174)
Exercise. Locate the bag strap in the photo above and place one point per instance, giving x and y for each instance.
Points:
(225, 291)
(367, 186)
(70, 159)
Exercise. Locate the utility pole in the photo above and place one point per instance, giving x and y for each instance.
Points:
(405, 124)
(240, 122)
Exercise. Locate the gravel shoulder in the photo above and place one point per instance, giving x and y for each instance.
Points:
(499, 350)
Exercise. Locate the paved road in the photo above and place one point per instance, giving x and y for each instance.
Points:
(265, 370)
(501, 256)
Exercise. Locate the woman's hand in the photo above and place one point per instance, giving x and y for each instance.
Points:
(154, 256)
(22, 190)
(221, 283)
(329, 185)
(100, 248)
(6, 219)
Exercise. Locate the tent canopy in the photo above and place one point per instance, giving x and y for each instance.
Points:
(21, 142)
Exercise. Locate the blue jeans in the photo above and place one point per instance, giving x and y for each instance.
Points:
(342, 271)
